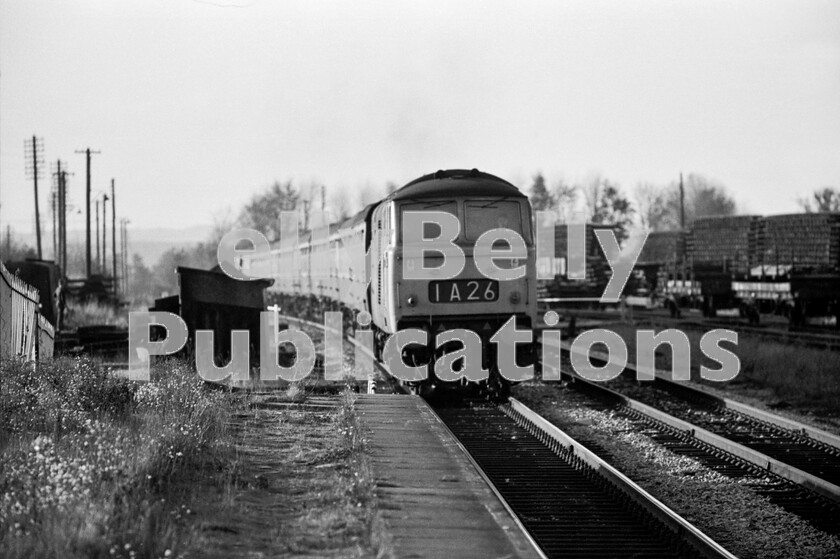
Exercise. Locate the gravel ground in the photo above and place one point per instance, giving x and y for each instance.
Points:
(764, 399)
(754, 393)
(747, 524)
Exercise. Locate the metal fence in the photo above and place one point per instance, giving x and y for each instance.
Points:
(23, 331)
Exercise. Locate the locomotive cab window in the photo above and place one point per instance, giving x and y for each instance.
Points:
(430, 229)
(493, 214)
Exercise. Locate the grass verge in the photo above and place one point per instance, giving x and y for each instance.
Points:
(298, 483)
(87, 461)
(87, 313)
(794, 376)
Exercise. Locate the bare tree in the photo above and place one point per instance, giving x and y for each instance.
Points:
(590, 188)
(565, 195)
(607, 204)
(368, 194)
(703, 197)
(340, 204)
(206, 253)
(651, 205)
(824, 200)
(659, 208)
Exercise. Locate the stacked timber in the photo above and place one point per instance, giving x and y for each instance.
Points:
(805, 241)
(733, 242)
(663, 247)
(596, 260)
(598, 270)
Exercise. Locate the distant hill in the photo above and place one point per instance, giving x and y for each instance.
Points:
(148, 243)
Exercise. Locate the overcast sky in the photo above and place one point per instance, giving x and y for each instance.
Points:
(197, 105)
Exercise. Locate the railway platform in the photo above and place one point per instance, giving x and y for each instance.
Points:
(432, 499)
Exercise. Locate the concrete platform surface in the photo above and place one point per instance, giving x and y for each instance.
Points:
(432, 499)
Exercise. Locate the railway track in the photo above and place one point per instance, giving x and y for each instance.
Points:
(818, 340)
(815, 338)
(799, 466)
(570, 501)
(793, 447)
(539, 471)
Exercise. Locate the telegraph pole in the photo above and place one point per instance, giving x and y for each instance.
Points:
(98, 260)
(37, 147)
(124, 236)
(56, 194)
(114, 237)
(682, 204)
(61, 215)
(122, 255)
(104, 263)
(54, 211)
(87, 153)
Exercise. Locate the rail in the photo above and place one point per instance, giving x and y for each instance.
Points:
(570, 501)
(778, 467)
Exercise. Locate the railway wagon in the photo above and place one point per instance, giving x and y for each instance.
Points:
(44, 276)
(211, 300)
(785, 264)
(360, 263)
(578, 292)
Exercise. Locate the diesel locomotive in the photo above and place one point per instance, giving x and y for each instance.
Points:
(364, 265)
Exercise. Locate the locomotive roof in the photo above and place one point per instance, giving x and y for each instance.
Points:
(456, 182)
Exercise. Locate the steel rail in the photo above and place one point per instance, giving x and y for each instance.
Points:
(762, 415)
(752, 456)
(676, 523)
(489, 483)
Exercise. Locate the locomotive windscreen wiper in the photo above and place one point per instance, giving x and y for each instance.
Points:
(490, 204)
(436, 204)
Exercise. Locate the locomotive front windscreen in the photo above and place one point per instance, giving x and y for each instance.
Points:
(486, 215)
(432, 230)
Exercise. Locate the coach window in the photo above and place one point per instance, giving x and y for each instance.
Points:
(484, 216)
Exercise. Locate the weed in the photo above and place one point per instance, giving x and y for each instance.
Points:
(87, 460)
